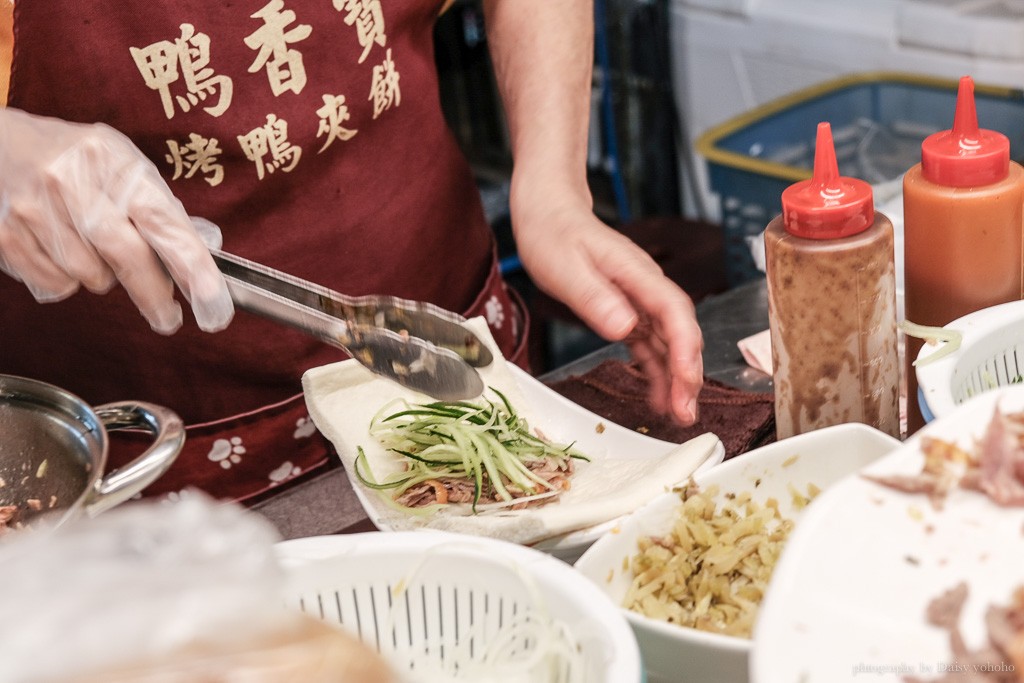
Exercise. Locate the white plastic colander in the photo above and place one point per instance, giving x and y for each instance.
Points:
(991, 355)
(436, 605)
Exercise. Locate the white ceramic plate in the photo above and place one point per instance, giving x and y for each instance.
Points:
(848, 597)
(626, 469)
(673, 652)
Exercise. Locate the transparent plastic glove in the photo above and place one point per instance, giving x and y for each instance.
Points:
(208, 232)
(81, 206)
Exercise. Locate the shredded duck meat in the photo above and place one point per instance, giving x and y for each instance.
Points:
(444, 490)
(995, 467)
(1000, 660)
(7, 515)
(1000, 471)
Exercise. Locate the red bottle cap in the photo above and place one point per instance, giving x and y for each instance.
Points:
(828, 205)
(966, 156)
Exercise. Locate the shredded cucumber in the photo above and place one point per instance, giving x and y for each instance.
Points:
(488, 443)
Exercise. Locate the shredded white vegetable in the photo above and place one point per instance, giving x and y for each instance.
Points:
(530, 647)
(933, 335)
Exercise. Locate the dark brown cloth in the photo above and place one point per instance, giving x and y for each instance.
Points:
(617, 391)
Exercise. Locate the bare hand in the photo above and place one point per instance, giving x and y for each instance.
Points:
(618, 290)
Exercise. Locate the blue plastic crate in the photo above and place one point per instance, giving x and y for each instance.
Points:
(878, 121)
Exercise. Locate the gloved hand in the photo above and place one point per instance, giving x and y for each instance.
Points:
(81, 206)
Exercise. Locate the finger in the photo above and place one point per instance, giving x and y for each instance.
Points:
(686, 366)
(656, 371)
(209, 232)
(22, 257)
(684, 397)
(163, 223)
(596, 301)
(136, 266)
(67, 202)
(639, 285)
(674, 326)
(646, 332)
(671, 314)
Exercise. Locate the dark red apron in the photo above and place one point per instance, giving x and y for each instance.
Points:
(312, 133)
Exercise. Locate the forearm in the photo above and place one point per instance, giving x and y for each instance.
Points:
(543, 58)
(6, 46)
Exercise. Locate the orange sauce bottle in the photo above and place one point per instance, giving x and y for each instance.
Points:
(832, 303)
(963, 217)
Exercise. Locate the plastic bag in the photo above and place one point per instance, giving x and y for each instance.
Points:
(163, 592)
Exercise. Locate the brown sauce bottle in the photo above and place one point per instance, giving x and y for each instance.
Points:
(832, 303)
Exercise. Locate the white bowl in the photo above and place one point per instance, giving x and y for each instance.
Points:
(418, 596)
(672, 652)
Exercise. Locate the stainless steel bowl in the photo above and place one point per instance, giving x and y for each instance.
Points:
(53, 450)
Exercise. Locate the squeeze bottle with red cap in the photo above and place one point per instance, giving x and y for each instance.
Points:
(832, 303)
(963, 215)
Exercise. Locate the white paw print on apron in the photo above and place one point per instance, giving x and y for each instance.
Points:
(304, 428)
(494, 312)
(227, 452)
(284, 472)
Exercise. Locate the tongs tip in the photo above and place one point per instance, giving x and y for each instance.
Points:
(475, 352)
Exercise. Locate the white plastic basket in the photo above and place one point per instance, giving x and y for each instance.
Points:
(430, 600)
(991, 355)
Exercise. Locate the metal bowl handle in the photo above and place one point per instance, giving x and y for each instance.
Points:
(168, 431)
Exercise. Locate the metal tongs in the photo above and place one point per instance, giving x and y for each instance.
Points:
(418, 345)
